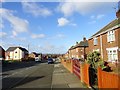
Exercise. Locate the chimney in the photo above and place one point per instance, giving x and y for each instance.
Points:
(76, 43)
(118, 14)
(84, 39)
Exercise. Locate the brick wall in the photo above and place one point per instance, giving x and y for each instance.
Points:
(109, 45)
(105, 44)
(92, 46)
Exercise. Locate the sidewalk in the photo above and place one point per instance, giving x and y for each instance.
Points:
(62, 78)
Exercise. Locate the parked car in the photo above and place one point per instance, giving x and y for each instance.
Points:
(50, 61)
(37, 59)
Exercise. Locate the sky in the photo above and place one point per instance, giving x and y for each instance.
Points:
(52, 27)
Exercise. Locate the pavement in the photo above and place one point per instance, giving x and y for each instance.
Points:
(62, 78)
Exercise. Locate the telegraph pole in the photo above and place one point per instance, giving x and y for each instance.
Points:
(28, 48)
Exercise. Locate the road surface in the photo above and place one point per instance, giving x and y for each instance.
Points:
(27, 75)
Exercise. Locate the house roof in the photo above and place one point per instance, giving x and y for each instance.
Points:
(23, 49)
(1, 49)
(110, 25)
(72, 47)
(13, 48)
(80, 44)
(36, 54)
(1, 52)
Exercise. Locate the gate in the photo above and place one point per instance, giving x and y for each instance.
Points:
(76, 68)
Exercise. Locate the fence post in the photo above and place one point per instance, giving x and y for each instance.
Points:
(71, 66)
(119, 75)
(88, 78)
(99, 78)
(81, 72)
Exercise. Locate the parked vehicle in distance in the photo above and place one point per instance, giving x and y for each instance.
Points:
(54, 59)
(37, 59)
(50, 61)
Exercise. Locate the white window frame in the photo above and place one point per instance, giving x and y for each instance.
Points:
(95, 41)
(97, 50)
(111, 36)
(112, 56)
(76, 49)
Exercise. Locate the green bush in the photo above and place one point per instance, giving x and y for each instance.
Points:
(93, 59)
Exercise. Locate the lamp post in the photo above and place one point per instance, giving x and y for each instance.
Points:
(84, 52)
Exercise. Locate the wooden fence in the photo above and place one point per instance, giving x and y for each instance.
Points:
(108, 80)
(76, 68)
(105, 79)
(85, 74)
(68, 65)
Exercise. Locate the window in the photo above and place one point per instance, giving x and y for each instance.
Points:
(111, 36)
(76, 49)
(97, 50)
(112, 55)
(16, 52)
(95, 41)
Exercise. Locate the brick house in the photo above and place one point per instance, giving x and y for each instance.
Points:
(16, 53)
(66, 55)
(2, 53)
(79, 51)
(34, 55)
(107, 41)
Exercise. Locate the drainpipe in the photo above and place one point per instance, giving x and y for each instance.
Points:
(101, 47)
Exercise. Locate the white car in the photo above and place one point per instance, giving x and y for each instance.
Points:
(37, 59)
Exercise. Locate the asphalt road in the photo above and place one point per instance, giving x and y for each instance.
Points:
(27, 75)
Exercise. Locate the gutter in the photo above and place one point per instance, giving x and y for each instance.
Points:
(117, 26)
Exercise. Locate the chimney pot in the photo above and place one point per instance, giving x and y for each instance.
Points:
(84, 39)
(118, 14)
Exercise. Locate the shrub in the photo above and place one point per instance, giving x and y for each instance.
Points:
(93, 59)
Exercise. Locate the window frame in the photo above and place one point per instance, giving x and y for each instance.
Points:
(95, 42)
(111, 36)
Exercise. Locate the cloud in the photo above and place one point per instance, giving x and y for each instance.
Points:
(92, 17)
(83, 8)
(35, 36)
(63, 21)
(92, 22)
(18, 25)
(97, 17)
(73, 24)
(48, 47)
(22, 39)
(1, 25)
(34, 9)
(100, 16)
(3, 34)
(60, 35)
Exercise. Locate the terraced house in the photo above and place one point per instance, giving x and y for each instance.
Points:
(107, 41)
(78, 51)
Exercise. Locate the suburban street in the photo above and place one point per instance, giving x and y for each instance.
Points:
(38, 75)
(60, 44)
(32, 75)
